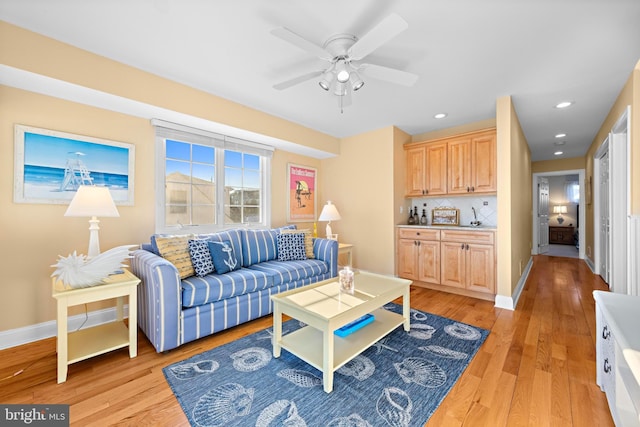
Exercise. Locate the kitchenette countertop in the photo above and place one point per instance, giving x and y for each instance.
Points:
(451, 227)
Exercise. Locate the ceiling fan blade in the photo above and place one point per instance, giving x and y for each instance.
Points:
(304, 44)
(296, 80)
(387, 29)
(392, 75)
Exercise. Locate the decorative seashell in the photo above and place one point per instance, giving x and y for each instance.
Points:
(382, 345)
(187, 371)
(251, 359)
(395, 406)
(421, 372)
(421, 331)
(353, 420)
(300, 378)
(360, 367)
(418, 315)
(444, 352)
(223, 404)
(462, 331)
(280, 413)
(78, 271)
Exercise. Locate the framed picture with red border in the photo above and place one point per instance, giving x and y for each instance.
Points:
(301, 193)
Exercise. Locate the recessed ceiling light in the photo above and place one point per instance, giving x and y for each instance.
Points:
(561, 135)
(440, 116)
(564, 104)
(559, 142)
(557, 153)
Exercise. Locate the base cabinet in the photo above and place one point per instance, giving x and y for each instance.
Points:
(419, 255)
(454, 259)
(618, 355)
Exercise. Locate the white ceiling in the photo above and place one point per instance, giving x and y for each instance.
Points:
(467, 53)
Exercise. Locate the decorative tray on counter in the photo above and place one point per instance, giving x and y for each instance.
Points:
(445, 216)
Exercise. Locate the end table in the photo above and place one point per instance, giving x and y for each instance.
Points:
(85, 343)
(347, 249)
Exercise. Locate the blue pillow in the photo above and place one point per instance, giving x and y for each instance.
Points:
(200, 257)
(224, 258)
(291, 247)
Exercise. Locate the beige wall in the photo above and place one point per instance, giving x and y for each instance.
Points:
(35, 234)
(363, 188)
(514, 198)
(574, 163)
(629, 96)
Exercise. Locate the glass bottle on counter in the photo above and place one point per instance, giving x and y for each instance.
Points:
(415, 215)
(412, 219)
(423, 218)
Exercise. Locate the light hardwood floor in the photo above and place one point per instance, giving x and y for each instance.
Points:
(537, 367)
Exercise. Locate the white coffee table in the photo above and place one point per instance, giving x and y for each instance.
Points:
(324, 309)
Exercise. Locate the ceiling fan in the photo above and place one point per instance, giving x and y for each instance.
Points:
(344, 52)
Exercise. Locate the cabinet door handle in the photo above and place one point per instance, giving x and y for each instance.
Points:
(467, 189)
(607, 366)
(418, 242)
(426, 191)
(467, 248)
(606, 333)
(473, 189)
(462, 246)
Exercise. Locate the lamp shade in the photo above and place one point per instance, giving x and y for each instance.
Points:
(329, 213)
(91, 201)
(560, 209)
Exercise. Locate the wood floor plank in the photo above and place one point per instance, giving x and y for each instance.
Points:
(537, 367)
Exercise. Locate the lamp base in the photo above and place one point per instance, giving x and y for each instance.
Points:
(94, 239)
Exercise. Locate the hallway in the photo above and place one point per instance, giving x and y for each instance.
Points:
(568, 251)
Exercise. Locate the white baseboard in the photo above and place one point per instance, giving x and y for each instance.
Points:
(590, 264)
(510, 303)
(40, 331)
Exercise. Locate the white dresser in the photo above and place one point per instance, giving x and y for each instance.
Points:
(618, 354)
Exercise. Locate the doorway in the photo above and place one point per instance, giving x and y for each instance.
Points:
(612, 206)
(560, 232)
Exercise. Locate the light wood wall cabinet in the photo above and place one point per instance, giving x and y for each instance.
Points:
(456, 165)
(427, 170)
(458, 261)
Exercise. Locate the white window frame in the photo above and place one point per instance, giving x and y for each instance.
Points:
(167, 130)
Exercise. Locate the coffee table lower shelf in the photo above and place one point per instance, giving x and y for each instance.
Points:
(307, 342)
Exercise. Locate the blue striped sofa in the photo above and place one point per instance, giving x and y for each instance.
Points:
(174, 311)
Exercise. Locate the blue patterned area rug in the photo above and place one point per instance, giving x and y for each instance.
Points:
(399, 381)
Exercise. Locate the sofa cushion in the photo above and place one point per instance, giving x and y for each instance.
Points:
(214, 287)
(175, 249)
(223, 256)
(234, 236)
(291, 247)
(200, 257)
(308, 240)
(258, 246)
(286, 271)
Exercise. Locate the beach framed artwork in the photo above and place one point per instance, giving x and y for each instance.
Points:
(51, 165)
(301, 189)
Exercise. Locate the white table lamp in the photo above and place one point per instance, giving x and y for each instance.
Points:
(560, 209)
(92, 201)
(329, 213)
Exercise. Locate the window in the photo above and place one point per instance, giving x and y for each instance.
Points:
(208, 182)
(572, 190)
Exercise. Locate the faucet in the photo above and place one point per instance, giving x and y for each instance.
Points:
(475, 221)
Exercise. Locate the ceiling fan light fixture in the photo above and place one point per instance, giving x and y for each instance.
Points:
(325, 81)
(342, 74)
(357, 81)
(341, 89)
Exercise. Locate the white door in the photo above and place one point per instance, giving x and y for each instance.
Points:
(604, 217)
(543, 215)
